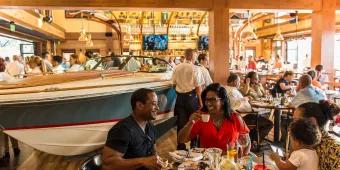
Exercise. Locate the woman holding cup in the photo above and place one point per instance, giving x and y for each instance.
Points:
(216, 124)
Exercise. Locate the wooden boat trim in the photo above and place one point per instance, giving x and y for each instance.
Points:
(54, 89)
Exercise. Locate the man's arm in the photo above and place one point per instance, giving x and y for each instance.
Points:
(199, 92)
(114, 160)
(284, 87)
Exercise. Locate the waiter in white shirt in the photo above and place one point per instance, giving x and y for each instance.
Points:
(242, 105)
(188, 80)
(15, 68)
(203, 65)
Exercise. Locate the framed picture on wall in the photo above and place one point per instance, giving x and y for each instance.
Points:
(27, 50)
(66, 53)
(93, 50)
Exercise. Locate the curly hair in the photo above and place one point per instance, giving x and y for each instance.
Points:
(222, 94)
(322, 111)
(305, 131)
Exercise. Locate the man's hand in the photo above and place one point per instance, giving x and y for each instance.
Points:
(151, 163)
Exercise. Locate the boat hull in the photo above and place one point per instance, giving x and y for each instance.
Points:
(77, 126)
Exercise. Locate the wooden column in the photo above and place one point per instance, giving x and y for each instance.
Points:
(109, 40)
(219, 41)
(323, 32)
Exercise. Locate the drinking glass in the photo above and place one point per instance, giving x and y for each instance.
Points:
(214, 155)
(244, 142)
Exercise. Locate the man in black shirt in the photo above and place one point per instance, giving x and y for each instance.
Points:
(130, 143)
(282, 85)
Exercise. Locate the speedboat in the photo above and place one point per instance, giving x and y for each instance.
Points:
(71, 113)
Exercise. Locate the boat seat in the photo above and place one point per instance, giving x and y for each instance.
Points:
(92, 163)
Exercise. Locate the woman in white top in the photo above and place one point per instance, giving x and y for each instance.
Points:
(3, 75)
(304, 135)
(75, 63)
(35, 65)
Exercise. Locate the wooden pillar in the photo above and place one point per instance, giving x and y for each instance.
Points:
(37, 48)
(323, 32)
(109, 40)
(219, 41)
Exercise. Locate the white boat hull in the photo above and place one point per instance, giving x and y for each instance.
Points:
(69, 140)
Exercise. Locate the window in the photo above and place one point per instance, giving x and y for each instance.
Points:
(299, 52)
(250, 52)
(10, 46)
(337, 52)
(277, 49)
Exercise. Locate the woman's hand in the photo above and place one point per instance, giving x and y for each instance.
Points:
(248, 81)
(184, 133)
(274, 156)
(194, 117)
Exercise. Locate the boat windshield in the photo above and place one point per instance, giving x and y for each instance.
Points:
(133, 63)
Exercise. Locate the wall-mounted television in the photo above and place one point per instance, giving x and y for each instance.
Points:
(203, 43)
(155, 42)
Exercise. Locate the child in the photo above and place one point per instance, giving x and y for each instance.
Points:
(304, 135)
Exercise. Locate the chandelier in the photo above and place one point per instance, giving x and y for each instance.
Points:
(85, 36)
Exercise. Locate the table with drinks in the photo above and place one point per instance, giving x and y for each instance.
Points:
(216, 159)
(278, 105)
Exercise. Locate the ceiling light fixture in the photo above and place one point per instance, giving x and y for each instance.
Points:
(250, 29)
(278, 36)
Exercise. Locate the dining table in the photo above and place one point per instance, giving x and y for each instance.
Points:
(278, 109)
(203, 158)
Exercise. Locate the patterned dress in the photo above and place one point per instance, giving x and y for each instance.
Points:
(329, 152)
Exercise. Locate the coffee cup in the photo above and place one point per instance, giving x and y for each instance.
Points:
(205, 117)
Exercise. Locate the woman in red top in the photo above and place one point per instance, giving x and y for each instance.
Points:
(251, 63)
(224, 126)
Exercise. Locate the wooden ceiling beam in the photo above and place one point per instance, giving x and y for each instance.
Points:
(275, 4)
(106, 4)
(30, 21)
(163, 4)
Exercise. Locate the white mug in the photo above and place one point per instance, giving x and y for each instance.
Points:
(205, 117)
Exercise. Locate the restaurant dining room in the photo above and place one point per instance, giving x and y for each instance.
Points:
(170, 84)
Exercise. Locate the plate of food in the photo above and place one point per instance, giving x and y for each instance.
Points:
(193, 165)
(198, 150)
(182, 155)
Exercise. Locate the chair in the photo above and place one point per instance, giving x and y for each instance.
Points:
(254, 126)
(92, 163)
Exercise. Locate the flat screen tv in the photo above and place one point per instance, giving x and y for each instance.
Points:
(203, 42)
(155, 42)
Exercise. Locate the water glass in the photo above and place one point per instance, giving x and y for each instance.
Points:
(244, 142)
